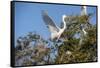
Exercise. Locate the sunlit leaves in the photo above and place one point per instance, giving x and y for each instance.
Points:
(66, 50)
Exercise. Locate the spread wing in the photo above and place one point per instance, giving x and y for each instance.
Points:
(49, 23)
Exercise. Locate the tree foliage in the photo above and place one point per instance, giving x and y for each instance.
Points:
(74, 46)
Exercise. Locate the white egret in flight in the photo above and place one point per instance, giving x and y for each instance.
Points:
(56, 31)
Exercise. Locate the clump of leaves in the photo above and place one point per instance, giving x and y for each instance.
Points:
(85, 52)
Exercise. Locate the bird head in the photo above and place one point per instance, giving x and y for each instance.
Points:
(44, 12)
(64, 16)
(83, 7)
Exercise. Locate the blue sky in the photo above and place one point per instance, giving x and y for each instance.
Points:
(28, 17)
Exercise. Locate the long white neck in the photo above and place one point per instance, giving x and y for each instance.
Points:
(64, 16)
(84, 31)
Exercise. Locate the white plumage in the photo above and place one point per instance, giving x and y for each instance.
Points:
(53, 28)
(84, 31)
(83, 10)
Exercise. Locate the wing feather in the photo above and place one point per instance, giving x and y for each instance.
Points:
(49, 22)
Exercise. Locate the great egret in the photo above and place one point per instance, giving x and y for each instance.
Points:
(83, 34)
(56, 32)
(83, 10)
